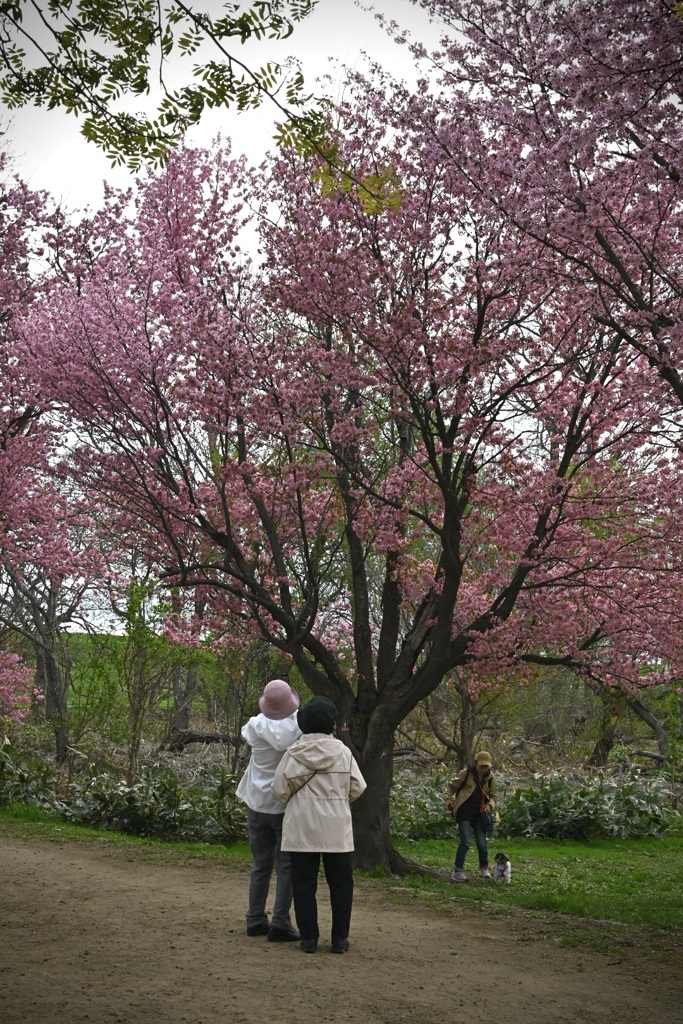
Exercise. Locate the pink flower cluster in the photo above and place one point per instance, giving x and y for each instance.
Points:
(15, 686)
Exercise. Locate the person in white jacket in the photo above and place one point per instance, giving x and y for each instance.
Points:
(318, 778)
(269, 734)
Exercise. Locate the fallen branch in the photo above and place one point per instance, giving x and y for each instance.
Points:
(177, 741)
(648, 753)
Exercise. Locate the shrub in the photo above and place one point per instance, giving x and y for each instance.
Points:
(627, 807)
(158, 805)
(417, 806)
(602, 808)
(29, 783)
(155, 805)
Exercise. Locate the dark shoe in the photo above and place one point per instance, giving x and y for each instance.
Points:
(340, 945)
(309, 945)
(283, 935)
(258, 929)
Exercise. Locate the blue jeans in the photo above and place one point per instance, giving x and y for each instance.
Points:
(265, 836)
(465, 830)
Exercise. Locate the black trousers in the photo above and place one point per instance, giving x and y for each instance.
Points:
(339, 876)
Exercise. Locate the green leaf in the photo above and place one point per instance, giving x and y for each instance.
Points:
(85, 80)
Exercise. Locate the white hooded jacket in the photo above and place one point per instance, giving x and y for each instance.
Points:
(317, 778)
(268, 739)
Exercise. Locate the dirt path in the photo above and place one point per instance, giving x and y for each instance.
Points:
(89, 935)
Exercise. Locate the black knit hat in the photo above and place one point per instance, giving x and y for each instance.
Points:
(319, 715)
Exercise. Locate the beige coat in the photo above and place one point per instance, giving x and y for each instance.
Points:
(317, 778)
(465, 784)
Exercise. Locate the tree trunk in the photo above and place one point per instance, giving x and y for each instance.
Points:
(467, 723)
(136, 717)
(603, 747)
(612, 705)
(658, 729)
(441, 736)
(469, 726)
(372, 836)
(184, 687)
(133, 756)
(177, 741)
(55, 690)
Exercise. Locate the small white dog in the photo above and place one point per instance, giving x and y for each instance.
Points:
(502, 868)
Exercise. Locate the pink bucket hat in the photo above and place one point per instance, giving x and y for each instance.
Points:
(278, 700)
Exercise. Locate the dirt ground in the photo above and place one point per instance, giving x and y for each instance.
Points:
(103, 935)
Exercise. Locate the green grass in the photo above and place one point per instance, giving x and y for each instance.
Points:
(34, 823)
(27, 812)
(635, 881)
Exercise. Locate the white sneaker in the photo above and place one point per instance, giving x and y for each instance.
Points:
(484, 872)
(458, 875)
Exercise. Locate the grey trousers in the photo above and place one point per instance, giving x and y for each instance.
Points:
(265, 836)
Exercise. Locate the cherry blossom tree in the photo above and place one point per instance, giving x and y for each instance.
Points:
(578, 115)
(396, 448)
(578, 107)
(49, 555)
(22, 440)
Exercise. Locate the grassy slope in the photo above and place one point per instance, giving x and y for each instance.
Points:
(635, 881)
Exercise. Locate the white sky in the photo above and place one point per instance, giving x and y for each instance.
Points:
(50, 153)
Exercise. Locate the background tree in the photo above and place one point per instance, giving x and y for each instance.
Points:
(44, 564)
(89, 57)
(24, 442)
(583, 100)
(39, 608)
(459, 717)
(231, 678)
(145, 663)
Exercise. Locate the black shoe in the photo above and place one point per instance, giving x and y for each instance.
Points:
(309, 945)
(340, 945)
(258, 929)
(283, 935)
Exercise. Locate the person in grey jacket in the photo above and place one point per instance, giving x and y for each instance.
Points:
(318, 778)
(268, 734)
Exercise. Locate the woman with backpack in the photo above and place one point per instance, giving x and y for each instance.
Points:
(471, 796)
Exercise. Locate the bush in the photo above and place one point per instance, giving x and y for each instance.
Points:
(30, 783)
(155, 805)
(417, 807)
(158, 805)
(602, 808)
